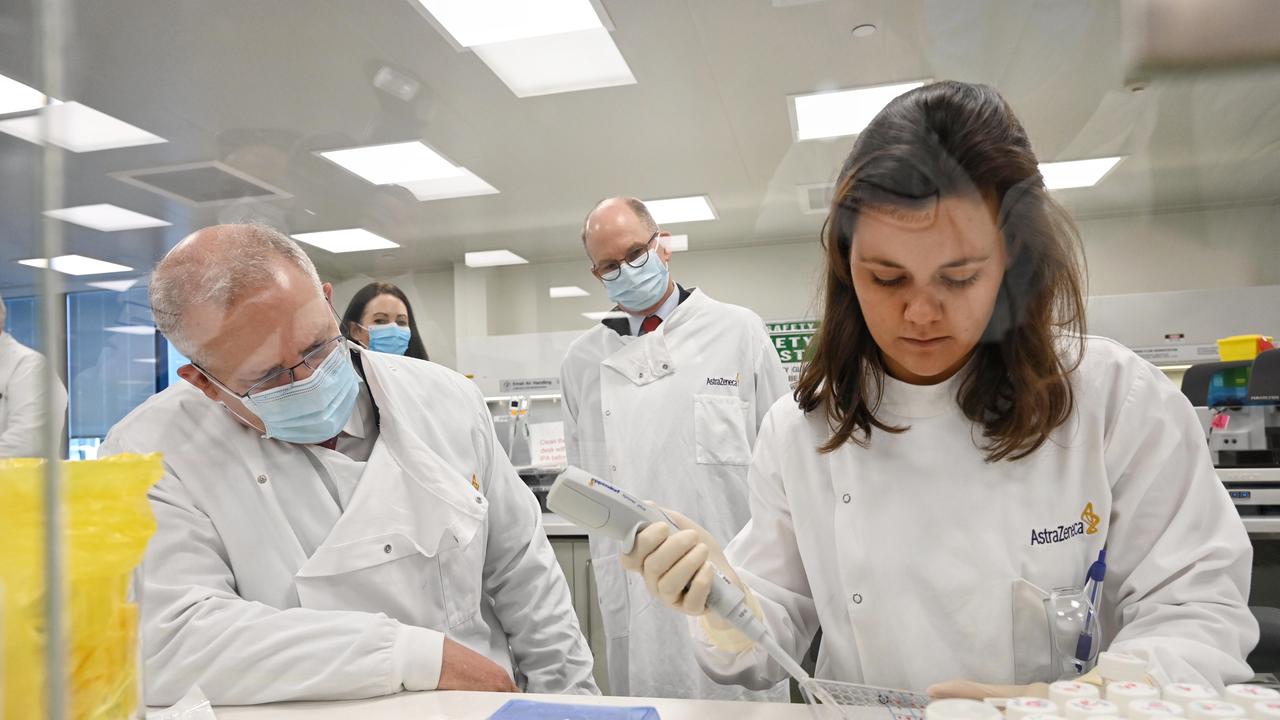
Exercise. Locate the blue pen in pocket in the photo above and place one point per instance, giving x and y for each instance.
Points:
(1092, 591)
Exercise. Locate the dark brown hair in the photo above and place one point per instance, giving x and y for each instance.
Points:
(355, 313)
(951, 139)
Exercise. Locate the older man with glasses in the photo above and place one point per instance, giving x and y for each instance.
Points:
(332, 523)
(663, 400)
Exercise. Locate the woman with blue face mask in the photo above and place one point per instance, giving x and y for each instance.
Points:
(380, 318)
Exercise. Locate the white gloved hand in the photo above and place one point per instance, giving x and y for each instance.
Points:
(676, 563)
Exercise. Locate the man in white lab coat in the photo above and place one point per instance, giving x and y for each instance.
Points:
(332, 523)
(23, 398)
(664, 401)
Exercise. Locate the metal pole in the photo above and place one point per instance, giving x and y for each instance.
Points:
(52, 18)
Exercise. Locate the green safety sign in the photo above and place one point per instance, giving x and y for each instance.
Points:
(791, 339)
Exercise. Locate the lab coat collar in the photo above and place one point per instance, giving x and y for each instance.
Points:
(922, 401)
(648, 358)
(622, 325)
(411, 454)
(360, 423)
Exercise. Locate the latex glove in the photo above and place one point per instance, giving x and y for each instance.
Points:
(971, 690)
(677, 563)
(462, 668)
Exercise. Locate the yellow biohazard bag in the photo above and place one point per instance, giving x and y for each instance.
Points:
(107, 522)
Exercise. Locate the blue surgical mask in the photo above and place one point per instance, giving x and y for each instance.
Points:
(640, 288)
(312, 410)
(389, 338)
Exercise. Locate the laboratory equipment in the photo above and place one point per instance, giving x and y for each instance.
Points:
(1020, 708)
(1186, 693)
(1152, 709)
(1087, 708)
(1247, 695)
(1064, 691)
(530, 430)
(600, 507)
(1214, 710)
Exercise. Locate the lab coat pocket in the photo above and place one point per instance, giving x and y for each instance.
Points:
(387, 573)
(720, 430)
(462, 576)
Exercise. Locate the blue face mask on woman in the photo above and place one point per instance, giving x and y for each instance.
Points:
(389, 338)
(639, 288)
(312, 410)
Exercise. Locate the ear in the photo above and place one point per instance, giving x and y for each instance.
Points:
(327, 289)
(192, 374)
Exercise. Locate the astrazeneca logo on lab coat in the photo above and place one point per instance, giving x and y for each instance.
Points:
(725, 382)
(1088, 525)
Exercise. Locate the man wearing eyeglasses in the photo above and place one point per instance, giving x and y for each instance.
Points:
(332, 523)
(664, 400)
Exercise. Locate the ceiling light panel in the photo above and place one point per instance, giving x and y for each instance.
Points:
(484, 22)
(493, 258)
(570, 62)
(667, 211)
(106, 218)
(842, 112)
(345, 241)
(78, 128)
(16, 97)
(466, 184)
(395, 163)
(76, 265)
(115, 285)
(1077, 173)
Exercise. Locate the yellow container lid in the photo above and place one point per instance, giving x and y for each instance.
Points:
(1241, 347)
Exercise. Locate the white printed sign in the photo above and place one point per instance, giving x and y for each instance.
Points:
(546, 444)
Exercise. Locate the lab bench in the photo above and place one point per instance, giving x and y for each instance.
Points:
(477, 705)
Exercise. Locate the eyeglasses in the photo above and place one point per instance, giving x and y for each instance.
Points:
(612, 269)
(284, 376)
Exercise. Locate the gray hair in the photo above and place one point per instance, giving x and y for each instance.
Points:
(3, 314)
(218, 266)
(637, 206)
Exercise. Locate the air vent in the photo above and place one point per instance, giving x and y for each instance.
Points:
(199, 184)
(816, 199)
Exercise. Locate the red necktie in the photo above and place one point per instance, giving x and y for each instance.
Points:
(331, 443)
(650, 324)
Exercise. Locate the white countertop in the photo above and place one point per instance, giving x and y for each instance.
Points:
(557, 526)
(477, 706)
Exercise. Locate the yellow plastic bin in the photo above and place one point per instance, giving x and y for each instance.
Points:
(108, 522)
(1243, 347)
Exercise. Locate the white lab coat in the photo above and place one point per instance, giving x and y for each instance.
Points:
(23, 398)
(670, 416)
(910, 555)
(439, 537)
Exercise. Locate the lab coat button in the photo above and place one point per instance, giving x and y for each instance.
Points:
(666, 366)
(857, 599)
(846, 498)
(386, 549)
(479, 500)
(262, 479)
(607, 413)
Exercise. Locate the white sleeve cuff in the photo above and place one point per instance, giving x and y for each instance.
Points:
(418, 654)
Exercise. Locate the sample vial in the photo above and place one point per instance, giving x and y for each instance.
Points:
(956, 709)
(1246, 695)
(1021, 708)
(1090, 709)
(1213, 710)
(1185, 693)
(1064, 691)
(1152, 709)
